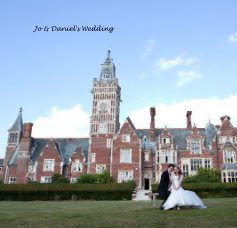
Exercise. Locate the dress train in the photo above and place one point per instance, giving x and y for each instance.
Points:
(181, 197)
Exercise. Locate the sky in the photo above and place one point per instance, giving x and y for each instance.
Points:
(173, 55)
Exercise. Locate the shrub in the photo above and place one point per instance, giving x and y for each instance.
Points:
(59, 179)
(131, 183)
(208, 190)
(87, 179)
(204, 175)
(32, 182)
(104, 178)
(26, 192)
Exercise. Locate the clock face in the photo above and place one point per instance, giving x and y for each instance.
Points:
(103, 106)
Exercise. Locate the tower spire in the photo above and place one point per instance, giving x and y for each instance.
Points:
(16, 130)
(108, 59)
(17, 126)
(108, 69)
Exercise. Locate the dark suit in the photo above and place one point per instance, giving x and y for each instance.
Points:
(164, 186)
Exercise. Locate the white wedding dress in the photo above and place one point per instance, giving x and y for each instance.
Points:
(181, 197)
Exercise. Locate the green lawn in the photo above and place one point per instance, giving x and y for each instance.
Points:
(220, 213)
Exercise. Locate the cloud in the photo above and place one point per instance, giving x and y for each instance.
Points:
(167, 64)
(150, 47)
(72, 122)
(232, 38)
(174, 115)
(187, 77)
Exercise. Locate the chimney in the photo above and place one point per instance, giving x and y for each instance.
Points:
(152, 124)
(27, 130)
(189, 122)
(218, 126)
(225, 118)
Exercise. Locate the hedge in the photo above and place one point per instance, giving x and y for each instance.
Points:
(209, 190)
(28, 192)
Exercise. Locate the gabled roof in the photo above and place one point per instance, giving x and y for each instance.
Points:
(131, 123)
(180, 135)
(228, 145)
(68, 146)
(65, 146)
(165, 131)
(18, 124)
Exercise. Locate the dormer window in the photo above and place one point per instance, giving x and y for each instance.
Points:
(13, 138)
(166, 141)
(225, 139)
(195, 146)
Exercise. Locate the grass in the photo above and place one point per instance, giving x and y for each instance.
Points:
(220, 213)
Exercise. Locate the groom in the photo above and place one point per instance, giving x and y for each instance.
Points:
(164, 185)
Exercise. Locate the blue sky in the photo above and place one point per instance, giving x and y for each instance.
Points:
(174, 55)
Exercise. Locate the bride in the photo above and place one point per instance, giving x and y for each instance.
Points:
(180, 197)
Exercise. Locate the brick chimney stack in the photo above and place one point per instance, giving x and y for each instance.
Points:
(27, 130)
(152, 124)
(224, 118)
(189, 122)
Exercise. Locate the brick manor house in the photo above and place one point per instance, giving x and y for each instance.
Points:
(123, 151)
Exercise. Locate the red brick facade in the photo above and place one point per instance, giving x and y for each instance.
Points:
(125, 152)
(48, 162)
(100, 153)
(77, 165)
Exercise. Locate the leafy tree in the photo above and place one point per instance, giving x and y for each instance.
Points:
(59, 179)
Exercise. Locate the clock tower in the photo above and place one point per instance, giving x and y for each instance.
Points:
(104, 122)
